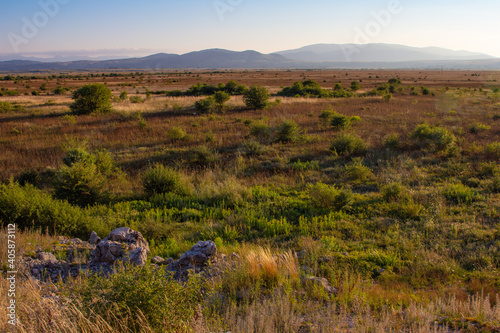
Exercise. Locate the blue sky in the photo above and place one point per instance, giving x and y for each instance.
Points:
(130, 27)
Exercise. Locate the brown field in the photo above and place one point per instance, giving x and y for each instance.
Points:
(37, 137)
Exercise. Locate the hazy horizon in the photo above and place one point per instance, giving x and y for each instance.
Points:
(116, 29)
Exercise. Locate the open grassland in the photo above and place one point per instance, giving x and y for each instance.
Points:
(392, 194)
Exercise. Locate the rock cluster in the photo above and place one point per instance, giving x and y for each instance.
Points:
(96, 255)
(72, 253)
(194, 260)
(122, 244)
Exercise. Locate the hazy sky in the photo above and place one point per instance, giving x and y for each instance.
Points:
(130, 27)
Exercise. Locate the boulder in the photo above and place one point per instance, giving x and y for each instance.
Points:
(46, 256)
(322, 283)
(199, 255)
(138, 256)
(121, 244)
(94, 238)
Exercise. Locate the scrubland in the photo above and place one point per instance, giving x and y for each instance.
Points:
(390, 192)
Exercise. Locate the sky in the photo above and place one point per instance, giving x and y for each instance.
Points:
(118, 28)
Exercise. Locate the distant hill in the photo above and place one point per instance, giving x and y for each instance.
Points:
(376, 53)
(382, 56)
(213, 58)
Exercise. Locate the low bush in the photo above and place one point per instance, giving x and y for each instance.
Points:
(252, 148)
(329, 197)
(134, 293)
(433, 136)
(176, 133)
(460, 194)
(29, 207)
(204, 105)
(256, 97)
(358, 172)
(81, 184)
(262, 132)
(136, 99)
(345, 144)
(5, 107)
(392, 141)
(287, 131)
(160, 179)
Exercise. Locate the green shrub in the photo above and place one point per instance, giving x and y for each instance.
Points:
(287, 131)
(204, 105)
(29, 177)
(92, 98)
(460, 194)
(355, 86)
(5, 107)
(433, 136)
(220, 98)
(203, 156)
(252, 148)
(392, 141)
(123, 95)
(326, 116)
(176, 133)
(160, 179)
(358, 172)
(262, 132)
(136, 99)
(29, 207)
(425, 90)
(340, 122)
(329, 197)
(392, 191)
(478, 128)
(256, 97)
(80, 184)
(75, 155)
(60, 90)
(493, 150)
(141, 291)
(346, 143)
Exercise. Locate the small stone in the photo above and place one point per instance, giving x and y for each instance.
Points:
(46, 256)
(94, 238)
(320, 282)
(158, 260)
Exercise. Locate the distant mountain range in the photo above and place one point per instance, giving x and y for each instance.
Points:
(384, 56)
(377, 53)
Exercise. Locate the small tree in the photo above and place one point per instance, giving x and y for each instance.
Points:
(256, 97)
(355, 86)
(204, 105)
(92, 98)
(220, 98)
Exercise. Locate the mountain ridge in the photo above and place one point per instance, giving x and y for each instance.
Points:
(353, 56)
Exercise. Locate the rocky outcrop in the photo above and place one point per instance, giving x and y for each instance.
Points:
(195, 260)
(122, 244)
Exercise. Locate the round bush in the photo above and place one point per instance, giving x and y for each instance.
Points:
(160, 179)
(92, 98)
(346, 143)
(256, 97)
